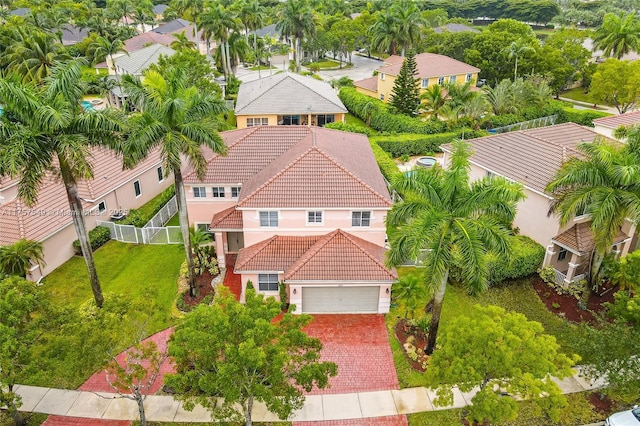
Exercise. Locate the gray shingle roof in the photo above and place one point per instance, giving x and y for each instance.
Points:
(136, 62)
(287, 94)
(172, 26)
(159, 9)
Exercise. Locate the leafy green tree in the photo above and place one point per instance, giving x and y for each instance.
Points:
(46, 129)
(564, 58)
(22, 307)
(617, 83)
(409, 290)
(178, 133)
(515, 50)
(618, 35)
(442, 215)
(498, 352)
(409, 23)
(136, 374)
(605, 184)
(241, 353)
(405, 95)
(296, 20)
(451, 44)
(17, 258)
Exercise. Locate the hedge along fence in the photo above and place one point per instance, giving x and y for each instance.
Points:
(414, 144)
(338, 125)
(382, 119)
(386, 164)
(579, 116)
(98, 237)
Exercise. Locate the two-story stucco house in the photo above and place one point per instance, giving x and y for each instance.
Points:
(288, 99)
(532, 157)
(303, 205)
(432, 69)
(111, 190)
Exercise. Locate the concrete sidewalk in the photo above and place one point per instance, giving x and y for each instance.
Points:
(108, 406)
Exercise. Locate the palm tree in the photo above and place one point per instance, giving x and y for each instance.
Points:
(606, 186)
(182, 42)
(179, 120)
(32, 54)
(121, 10)
(409, 290)
(218, 22)
(107, 47)
(433, 99)
(48, 130)
(384, 32)
(17, 258)
(296, 19)
(618, 35)
(190, 9)
(410, 23)
(501, 97)
(515, 50)
(442, 216)
(253, 16)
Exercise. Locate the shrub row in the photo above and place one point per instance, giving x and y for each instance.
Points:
(387, 166)
(525, 259)
(140, 217)
(384, 120)
(583, 117)
(338, 125)
(413, 144)
(98, 237)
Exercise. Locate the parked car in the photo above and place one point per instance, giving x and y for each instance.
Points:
(624, 418)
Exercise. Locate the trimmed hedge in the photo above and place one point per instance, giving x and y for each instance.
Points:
(382, 119)
(413, 144)
(98, 237)
(338, 125)
(140, 217)
(580, 116)
(387, 166)
(526, 257)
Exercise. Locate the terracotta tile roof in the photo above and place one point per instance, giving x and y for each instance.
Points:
(615, 121)
(370, 83)
(394, 60)
(299, 166)
(336, 256)
(430, 65)
(287, 94)
(580, 238)
(227, 219)
(530, 157)
(51, 211)
(146, 39)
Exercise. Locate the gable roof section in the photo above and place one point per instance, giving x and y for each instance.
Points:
(178, 24)
(138, 61)
(370, 83)
(430, 65)
(144, 40)
(287, 94)
(579, 238)
(327, 168)
(159, 9)
(613, 122)
(337, 256)
(532, 156)
(227, 219)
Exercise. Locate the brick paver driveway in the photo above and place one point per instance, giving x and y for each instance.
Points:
(359, 344)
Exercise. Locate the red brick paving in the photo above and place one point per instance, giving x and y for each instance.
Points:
(399, 420)
(232, 280)
(79, 421)
(359, 344)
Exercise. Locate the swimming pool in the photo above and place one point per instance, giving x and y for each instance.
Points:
(87, 105)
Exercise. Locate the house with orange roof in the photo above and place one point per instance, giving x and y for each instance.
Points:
(532, 157)
(607, 126)
(300, 205)
(432, 69)
(111, 190)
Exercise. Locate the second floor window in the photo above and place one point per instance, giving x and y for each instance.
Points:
(440, 81)
(199, 192)
(314, 217)
(360, 218)
(218, 191)
(137, 189)
(235, 191)
(268, 219)
(425, 83)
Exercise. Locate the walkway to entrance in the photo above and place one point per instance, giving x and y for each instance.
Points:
(232, 280)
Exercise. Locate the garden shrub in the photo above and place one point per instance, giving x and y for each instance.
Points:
(583, 117)
(338, 125)
(98, 237)
(140, 217)
(387, 166)
(382, 118)
(415, 144)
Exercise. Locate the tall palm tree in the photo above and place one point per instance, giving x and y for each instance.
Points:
(618, 35)
(182, 42)
(253, 16)
(605, 184)
(442, 216)
(179, 120)
(433, 99)
(296, 20)
(384, 32)
(219, 22)
(410, 23)
(190, 9)
(17, 258)
(48, 130)
(32, 54)
(515, 50)
(104, 47)
(121, 10)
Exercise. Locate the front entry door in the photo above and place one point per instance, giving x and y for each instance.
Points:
(235, 241)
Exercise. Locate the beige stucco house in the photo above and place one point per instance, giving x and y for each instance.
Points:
(303, 205)
(607, 126)
(432, 69)
(532, 157)
(288, 99)
(111, 190)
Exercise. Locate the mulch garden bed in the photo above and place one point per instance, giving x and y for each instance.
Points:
(204, 289)
(567, 306)
(404, 332)
(601, 403)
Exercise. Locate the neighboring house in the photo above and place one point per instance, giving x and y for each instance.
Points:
(269, 30)
(73, 35)
(303, 205)
(21, 11)
(432, 69)
(180, 25)
(111, 190)
(287, 99)
(144, 40)
(532, 157)
(607, 126)
(158, 10)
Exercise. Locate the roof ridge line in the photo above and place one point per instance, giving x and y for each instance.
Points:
(353, 240)
(308, 255)
(268, 90)
(264, 243)
(316, 92)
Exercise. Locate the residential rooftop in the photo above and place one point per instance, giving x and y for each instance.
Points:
(622, 120)
(429, 65)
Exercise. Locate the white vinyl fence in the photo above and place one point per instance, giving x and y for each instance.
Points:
(153, 232)
(524, 125)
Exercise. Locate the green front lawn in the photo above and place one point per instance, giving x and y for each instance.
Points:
(516, 296)
(578, 95)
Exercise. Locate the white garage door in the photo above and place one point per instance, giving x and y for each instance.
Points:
(344, 300)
